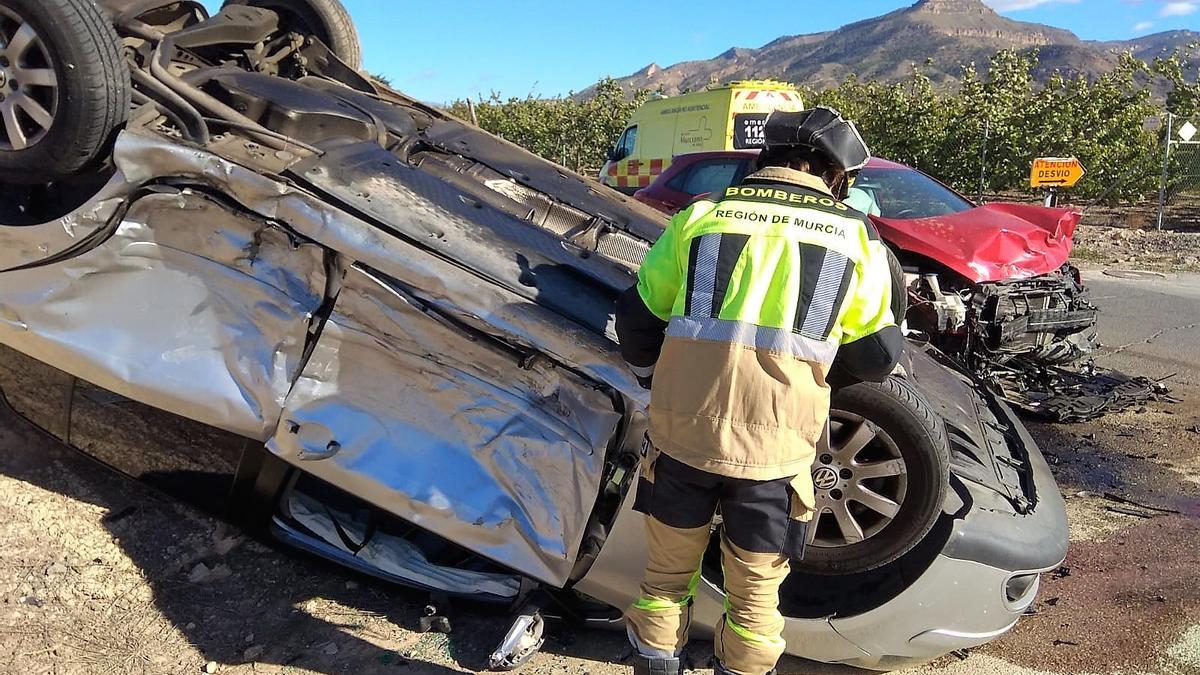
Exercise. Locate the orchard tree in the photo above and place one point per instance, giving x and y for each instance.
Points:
(1101, 120)
(575, 132)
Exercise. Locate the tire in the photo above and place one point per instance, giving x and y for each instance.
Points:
(87, 102)
(899, 288)
(327, 20)
(894, 410)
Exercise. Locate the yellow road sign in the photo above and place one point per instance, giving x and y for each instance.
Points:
(1055, 172)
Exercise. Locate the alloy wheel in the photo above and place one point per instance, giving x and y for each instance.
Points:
(860, 482)
(28, 83)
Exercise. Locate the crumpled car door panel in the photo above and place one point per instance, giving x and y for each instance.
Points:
(28, 245)
(449, 429)
(188, 306)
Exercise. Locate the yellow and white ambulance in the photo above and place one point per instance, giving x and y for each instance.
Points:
(722, 117)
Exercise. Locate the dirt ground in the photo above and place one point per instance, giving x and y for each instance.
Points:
(1144, 248)
(99, 574)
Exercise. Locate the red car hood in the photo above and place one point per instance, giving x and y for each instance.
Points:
(994, 242)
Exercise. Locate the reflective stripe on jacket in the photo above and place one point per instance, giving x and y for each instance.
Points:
(747, 302)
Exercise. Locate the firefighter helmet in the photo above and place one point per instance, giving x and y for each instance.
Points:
(822, 129)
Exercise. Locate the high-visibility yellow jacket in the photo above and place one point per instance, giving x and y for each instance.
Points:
(740, 311)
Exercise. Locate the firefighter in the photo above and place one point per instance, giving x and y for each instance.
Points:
(745, 310)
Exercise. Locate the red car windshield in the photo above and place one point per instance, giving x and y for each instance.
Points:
(903, 193)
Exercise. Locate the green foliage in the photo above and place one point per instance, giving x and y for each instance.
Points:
(1184, 99)
(1184, 102)
(574, 133)
(1102, 121)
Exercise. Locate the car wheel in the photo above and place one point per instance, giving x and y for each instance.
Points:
(881, 483)
(64, 88)
(327, 20)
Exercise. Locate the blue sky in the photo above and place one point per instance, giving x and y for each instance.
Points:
(451, 49)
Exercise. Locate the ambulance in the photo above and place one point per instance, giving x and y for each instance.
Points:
(722, 117)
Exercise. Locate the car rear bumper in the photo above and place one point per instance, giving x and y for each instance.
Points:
(955, 604)
(986, 534)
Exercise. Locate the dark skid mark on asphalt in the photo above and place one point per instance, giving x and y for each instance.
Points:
(1127, 599)
(1189, 506)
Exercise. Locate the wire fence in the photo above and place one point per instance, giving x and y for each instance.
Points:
(1174, 204)
(1179, 187)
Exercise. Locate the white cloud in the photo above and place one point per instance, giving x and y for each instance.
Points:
(1178, 8)
(1143, 26)
(1014, 5)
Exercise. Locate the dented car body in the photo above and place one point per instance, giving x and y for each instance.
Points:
(308, 302)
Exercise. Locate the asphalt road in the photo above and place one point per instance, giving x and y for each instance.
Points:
(99, 574)
(1150, 321)
(1129, 598)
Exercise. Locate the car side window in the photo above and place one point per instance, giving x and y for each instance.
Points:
(677, 181)
(626, 144)
(863, 199)
(708, 177)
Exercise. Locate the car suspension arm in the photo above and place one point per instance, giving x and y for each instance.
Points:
(158, 68)
(195, 128)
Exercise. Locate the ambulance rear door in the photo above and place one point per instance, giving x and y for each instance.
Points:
(750, 108)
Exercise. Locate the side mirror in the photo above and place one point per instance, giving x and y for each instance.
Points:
(614, 154)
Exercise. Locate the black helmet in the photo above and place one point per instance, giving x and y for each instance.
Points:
(822, 129)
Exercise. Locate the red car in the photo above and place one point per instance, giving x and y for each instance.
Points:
(990, 284)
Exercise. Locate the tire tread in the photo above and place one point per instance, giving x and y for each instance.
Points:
(107, 68)
(909, 403)
(343, 34)
(103, 101)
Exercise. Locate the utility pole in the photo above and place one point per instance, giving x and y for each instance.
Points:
(471, 110)
(1162, 181)
(1051, 200)
(987, 127)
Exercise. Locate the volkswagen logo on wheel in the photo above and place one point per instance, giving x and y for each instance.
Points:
(825, 478)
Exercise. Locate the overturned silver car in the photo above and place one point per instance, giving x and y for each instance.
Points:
(351, 321)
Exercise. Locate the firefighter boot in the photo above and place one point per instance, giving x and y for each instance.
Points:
(647, 666)
(720, 669)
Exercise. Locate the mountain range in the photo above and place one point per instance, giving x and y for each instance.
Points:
(949, 33)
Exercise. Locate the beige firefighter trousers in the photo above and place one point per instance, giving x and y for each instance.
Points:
(749, 640)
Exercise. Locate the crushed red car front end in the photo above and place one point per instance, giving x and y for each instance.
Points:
(993, 284)
(990, 243)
